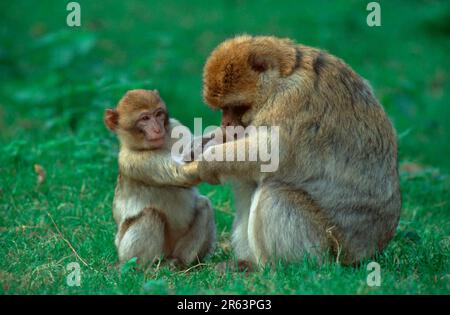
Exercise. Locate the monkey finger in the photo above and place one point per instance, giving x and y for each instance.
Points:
(209, 177)
(190, 174)
(190, 170)
(213, 181)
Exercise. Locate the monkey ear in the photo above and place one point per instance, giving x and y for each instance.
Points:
(262, 58)
(259, 62)
(111, 119)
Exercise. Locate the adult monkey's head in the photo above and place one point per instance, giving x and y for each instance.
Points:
(242, 72)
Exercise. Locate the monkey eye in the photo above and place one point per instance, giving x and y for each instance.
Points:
(145, 117)
(160, 114)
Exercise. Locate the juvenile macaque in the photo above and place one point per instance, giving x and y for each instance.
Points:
(336, 188)
(157, 212)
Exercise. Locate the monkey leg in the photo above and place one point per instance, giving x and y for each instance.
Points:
(210, 240)
(283, 225)
(141, 236)
(200, 238)
(242, 194)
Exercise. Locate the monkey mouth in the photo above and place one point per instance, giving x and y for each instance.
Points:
(156, 143)
(153, 140)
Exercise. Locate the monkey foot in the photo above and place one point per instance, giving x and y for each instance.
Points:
(174, 263)
(236, 266)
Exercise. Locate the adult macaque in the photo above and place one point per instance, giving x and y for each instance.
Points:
(156, 212)
(336, 189)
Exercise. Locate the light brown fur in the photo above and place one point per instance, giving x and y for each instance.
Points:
(336, 188)
(157, 212)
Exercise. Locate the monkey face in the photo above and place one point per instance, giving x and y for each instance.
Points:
(241, 73)
(150, 124)
(140, 120)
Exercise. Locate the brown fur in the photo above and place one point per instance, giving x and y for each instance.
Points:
(157, 211)
(337, 181)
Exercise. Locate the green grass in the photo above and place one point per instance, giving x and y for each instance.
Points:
(56, 82)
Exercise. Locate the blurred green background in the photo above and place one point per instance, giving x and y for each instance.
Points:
(57, 80)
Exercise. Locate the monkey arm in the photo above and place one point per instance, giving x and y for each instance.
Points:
(245, 157)
(156, 169)
(201, 143)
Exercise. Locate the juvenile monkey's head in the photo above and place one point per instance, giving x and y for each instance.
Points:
(242, 72)
(140, 120)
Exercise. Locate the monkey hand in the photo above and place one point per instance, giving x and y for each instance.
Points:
(190, 173)
(207, 174)
(198, 146)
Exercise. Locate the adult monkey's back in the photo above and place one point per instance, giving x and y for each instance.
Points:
(337, 185)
